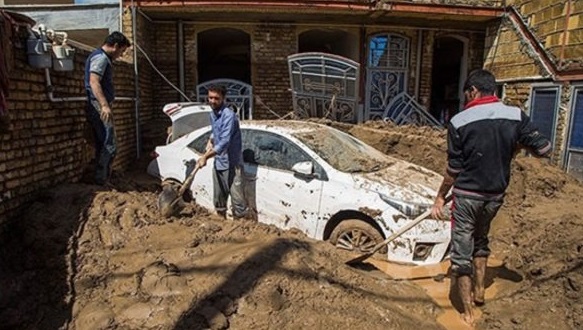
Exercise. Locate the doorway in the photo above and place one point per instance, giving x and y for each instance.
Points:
(448, 70)
(330, 41)
(224, 53)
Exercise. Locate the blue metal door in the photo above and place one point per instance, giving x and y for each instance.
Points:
(386, 73)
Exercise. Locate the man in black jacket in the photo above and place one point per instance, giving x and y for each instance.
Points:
(482, 141)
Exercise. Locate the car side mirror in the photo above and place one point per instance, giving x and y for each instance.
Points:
(304, 168)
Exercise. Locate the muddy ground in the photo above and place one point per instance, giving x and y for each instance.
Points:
(83, 257)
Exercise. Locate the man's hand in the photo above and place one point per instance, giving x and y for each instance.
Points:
(437, 209)
(106, 116)
(201, 162)
(209, 146)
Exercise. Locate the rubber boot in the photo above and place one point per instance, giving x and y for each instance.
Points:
(479, 278)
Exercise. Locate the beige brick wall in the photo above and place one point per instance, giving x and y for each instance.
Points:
(46, 141)
(549, 21)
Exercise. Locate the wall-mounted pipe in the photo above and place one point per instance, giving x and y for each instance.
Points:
(136, 83)
(50, 92)
(51, 96)
(180, 50)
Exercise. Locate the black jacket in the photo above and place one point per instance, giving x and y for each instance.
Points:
(482, 140)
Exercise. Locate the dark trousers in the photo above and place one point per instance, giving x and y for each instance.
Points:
(469, 232)
(104, 142)
(229, 182)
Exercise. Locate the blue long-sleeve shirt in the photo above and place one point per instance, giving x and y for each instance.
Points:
(226, 136)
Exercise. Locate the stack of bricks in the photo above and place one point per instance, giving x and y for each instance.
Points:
(46, 143)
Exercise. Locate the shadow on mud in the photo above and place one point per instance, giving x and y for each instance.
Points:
(35, 260)
(222, 302)
(38, 256)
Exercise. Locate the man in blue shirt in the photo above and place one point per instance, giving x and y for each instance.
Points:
(226, 147)
(100, 95)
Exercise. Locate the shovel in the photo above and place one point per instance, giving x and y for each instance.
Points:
(400, 232)
(169, 201)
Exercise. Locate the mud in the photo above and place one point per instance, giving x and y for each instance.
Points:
(84, 257)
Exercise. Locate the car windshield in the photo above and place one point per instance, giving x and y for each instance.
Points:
(344, 152)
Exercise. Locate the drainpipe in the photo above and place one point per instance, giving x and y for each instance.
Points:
(180, 50)
(136, 83)
(565, 32)
(120, 16)
(418, 65)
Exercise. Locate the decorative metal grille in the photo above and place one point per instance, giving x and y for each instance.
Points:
(239, 95)
(388, 63)
(324, 86)
(403, 109)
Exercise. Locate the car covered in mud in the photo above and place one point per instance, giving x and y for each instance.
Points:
(324, 182)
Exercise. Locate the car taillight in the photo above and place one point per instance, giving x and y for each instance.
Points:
(154, 154)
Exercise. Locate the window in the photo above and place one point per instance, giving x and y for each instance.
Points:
(575, 149)
(543, 107)
(199, 145)
(576, 141)
(271, 150)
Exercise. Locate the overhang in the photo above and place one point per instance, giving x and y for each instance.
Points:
(360, 13)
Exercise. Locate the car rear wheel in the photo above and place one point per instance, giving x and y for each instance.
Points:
(356, 235)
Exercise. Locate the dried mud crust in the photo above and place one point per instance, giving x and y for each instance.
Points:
(93, 258)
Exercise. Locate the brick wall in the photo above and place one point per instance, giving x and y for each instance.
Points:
(271, 44)
(46, 141)
(549, 21)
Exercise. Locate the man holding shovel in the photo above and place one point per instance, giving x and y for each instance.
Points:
(225, 146)
(482, 140)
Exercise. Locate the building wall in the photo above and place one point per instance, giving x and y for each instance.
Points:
(271, 44)
(514, 62)
(560, 31)
(46, 143)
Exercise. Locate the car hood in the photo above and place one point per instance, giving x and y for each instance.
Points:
(401, 181)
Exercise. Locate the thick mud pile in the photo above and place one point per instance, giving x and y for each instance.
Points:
(104, 259)
(82, 257)
(538, 233)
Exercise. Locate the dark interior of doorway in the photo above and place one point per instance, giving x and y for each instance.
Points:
(329, 41)
(445, 77)
(224, 53)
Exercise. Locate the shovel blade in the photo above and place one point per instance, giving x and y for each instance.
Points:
(169, 203)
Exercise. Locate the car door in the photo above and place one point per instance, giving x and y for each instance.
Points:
(202, 185)
(284, 198)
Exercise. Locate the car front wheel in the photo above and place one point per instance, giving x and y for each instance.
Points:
(356, 235)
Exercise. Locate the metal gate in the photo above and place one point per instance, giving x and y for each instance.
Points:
(386, 75)
(239, 95)
(324, 86)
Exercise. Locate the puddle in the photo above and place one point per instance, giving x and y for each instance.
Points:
(436, 283)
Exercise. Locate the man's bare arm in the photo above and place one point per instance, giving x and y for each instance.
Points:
(95, 83)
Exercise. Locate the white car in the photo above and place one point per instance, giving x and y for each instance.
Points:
(324, 182)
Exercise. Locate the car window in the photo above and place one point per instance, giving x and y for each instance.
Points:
(275, 151)
(199, 144)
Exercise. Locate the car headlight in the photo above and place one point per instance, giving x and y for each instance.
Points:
(412, 210)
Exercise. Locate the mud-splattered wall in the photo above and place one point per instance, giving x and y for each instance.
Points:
(46, 142)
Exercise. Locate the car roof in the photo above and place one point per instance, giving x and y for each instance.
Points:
(284, 126)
